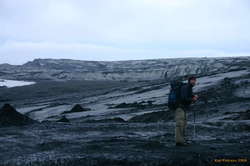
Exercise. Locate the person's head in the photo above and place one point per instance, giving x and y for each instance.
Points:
(192, 80)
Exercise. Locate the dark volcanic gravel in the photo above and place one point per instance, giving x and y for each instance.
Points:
(116, 144)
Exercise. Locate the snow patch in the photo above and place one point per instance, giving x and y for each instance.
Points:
(14, 83)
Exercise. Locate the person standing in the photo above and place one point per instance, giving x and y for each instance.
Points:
(186, 99)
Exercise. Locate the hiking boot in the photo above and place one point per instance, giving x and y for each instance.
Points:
(188, 142)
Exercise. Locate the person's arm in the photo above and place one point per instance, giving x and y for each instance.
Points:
(194, 97)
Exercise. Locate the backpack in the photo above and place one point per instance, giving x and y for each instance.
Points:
(174, 97)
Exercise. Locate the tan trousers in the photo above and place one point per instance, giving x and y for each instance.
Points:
(181, 123)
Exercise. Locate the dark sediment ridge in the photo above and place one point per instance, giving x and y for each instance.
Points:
(10, 117)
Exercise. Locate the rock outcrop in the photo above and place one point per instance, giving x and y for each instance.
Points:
(10, 117)
(64, 119)
(77, 108)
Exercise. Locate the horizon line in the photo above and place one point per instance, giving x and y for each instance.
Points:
(149, 59)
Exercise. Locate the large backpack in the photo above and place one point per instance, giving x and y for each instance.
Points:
(174, 97)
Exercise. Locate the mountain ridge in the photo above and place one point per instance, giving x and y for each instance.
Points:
(130, 70)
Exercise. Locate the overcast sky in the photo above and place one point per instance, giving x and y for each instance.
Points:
(122, 29)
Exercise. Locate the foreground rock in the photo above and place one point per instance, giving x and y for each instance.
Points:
(10, 117)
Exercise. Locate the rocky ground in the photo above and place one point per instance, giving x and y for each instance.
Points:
(118, 144)
(127, 123)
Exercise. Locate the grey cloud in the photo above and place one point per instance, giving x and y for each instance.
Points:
(174, 24)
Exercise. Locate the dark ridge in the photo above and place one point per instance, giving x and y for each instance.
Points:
(153, 117)
(140, 105)
(64, 119)
(112, 120)
(77, 108)
(10, 117)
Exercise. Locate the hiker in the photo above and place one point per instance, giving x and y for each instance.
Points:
(180, 98)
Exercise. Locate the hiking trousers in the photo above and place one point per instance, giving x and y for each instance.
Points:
(181, 123)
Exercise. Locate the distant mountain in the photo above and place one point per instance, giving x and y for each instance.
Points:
(134, 70)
